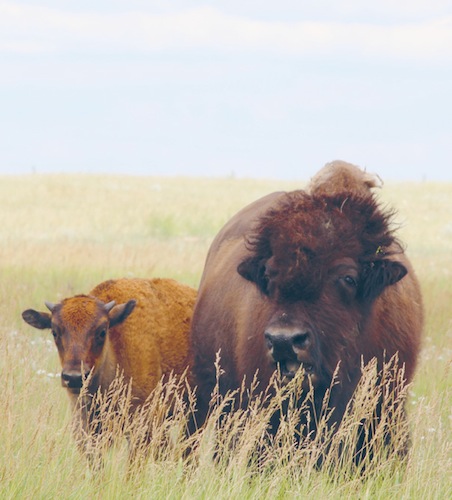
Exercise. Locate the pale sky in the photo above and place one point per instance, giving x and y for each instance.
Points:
(246, 88)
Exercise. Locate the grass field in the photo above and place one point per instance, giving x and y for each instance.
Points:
(61, 235)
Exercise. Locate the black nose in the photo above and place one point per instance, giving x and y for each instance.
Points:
(285, 344)
(73, 379)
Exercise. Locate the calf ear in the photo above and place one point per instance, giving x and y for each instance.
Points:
(380, 274)
(41, 320)
(253, 269)
(120, 312)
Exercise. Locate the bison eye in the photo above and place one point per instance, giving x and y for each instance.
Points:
(350, 281)
(101, 334)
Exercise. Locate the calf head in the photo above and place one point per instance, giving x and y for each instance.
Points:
(80, 327)
(321, 261)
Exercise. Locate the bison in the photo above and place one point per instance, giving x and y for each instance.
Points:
(312, 279)
(135, 327)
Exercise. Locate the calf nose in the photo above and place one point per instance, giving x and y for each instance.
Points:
(73, 379)
(283, 345)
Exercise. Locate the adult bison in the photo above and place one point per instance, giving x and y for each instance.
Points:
(311, 279)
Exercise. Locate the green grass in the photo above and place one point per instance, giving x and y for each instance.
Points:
(61, 235)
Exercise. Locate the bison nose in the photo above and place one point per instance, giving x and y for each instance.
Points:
(73, 379)
(283, 345)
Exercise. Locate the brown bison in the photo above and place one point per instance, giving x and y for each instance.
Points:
(136, 327)
(311, 279)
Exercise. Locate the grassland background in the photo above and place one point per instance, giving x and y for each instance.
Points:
(61, 235)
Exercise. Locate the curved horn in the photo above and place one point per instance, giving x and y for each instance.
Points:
(108, 307)
(50, 305)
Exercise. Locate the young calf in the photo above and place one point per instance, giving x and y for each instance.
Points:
(136, 327)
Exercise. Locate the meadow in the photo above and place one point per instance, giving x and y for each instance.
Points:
(63, 234)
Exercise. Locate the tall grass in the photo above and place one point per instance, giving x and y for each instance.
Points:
(62, 235)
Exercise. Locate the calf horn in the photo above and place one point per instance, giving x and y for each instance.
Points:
(108, 307)
(50, 306)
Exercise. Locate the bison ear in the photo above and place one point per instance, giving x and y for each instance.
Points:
(253, 269)
(380, 274)
(120, 312)
(41, 320)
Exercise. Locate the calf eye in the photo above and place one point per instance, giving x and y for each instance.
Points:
(101, 334)
(56, 333)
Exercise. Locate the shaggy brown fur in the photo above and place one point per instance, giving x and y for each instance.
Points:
(311, 278)
(339, 176)
(136, 327)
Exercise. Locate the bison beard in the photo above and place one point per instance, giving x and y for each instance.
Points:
(310, 279)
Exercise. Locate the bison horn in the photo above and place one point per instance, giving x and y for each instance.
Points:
(108, 307)
(50, 305)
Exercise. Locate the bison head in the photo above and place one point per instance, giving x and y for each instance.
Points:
(321, 261)
(80, 327)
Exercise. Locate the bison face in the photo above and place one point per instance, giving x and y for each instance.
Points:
(80, 327)
(321, 261)
(319, 330)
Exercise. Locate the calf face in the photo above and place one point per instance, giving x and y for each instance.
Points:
(80, 327)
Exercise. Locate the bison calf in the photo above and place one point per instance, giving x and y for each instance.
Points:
(313, 281)
(136, 327)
